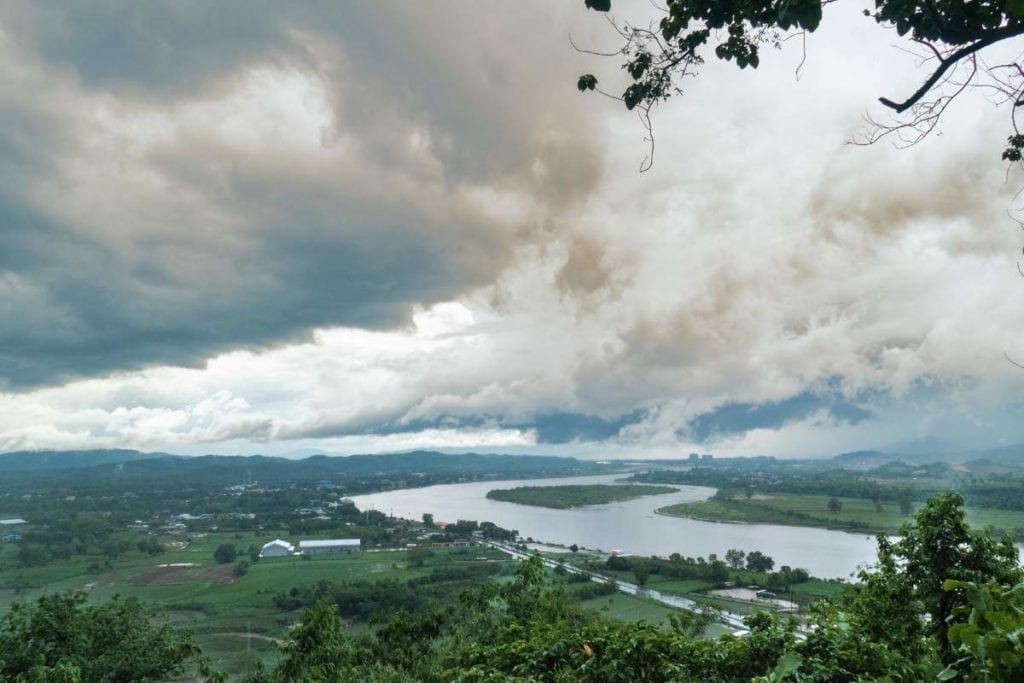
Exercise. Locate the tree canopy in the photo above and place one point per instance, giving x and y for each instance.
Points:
(60, 638)
(951, 36)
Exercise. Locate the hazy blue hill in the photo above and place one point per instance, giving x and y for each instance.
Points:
(95, 467)
(987, 466)
(993, 460)
(864, 459)
(22, 461)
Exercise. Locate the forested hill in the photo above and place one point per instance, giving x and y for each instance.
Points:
(21, 461)
(85, 468)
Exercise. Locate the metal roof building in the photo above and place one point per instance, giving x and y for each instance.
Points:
(336, 545)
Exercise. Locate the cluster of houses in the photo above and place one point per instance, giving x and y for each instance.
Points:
(279, 548)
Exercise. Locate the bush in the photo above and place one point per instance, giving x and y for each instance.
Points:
(225, 553)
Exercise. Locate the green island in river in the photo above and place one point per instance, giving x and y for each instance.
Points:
(571, 496)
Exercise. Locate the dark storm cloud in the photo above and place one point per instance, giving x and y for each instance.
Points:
(733, 419)
(556, 427)
(114, 258)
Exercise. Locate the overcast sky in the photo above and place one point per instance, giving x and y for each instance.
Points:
(244, 227)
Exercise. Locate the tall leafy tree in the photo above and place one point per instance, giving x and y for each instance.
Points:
(905, 599)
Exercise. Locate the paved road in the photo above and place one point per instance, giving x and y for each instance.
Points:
(730, 618)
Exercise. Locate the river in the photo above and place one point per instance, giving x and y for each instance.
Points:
(631, 526)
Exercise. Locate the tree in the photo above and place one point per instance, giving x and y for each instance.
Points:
(574, 548)
(428, 519)
(759, 562)
(60, 638)
(834, 505)
(225, 553)
(735, 558)
(418, 556)
(906, 506)
(950, 36)
(905, 597)
(641, 573)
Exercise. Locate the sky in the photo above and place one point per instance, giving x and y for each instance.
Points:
(252, 227)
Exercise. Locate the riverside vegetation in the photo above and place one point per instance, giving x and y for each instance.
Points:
(563, 497)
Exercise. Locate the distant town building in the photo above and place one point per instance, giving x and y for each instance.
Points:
(707, 456)
(694, 456)
(277, 548)
(10, 538)
(336, 545)
(12, 522)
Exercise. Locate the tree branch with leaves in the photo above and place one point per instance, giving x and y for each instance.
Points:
(953, 36)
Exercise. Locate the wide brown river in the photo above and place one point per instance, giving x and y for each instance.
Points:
(632, 526)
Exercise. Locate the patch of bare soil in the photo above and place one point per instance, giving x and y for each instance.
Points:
(221, 573)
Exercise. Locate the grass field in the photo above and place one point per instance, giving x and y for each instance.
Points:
(677, 586)
(817, 589)
(857, 514)
(626, 607)
(630, 608)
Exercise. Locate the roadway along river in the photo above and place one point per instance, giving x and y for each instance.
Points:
(631, 526)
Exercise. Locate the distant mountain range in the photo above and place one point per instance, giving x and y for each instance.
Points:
(95, 466)
(986, 461)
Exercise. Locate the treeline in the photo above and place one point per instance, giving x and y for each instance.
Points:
(738, 566)
(361, 600)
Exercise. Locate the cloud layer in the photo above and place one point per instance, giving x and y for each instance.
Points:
(390, 226)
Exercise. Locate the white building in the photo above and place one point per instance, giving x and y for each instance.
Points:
(337, 545)
(277, 548)
(12, 522)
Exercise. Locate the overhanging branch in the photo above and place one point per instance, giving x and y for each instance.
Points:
(966, 51)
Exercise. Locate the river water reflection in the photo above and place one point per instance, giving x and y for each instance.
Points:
(631, 526)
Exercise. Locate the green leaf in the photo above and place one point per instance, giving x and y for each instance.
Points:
(598, 5)
(787, 665)
(586, 82)
(810, 17)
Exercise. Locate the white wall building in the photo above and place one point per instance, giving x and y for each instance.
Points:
(277, 548)
(337, 545)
